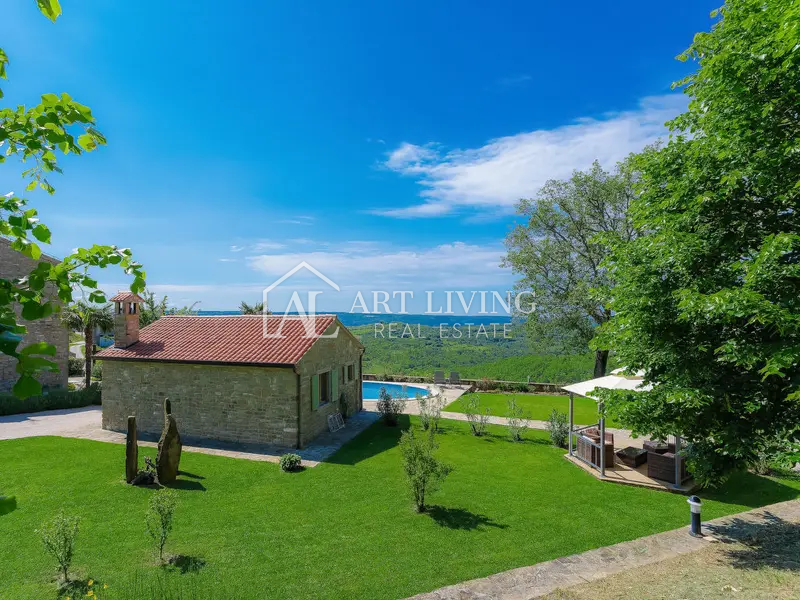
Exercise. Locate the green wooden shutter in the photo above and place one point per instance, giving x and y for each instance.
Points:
(335, 385)
(314, 392)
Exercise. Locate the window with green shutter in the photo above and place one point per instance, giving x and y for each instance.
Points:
(325, 387)
(314, 392)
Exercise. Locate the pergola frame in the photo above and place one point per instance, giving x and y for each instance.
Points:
(601, 425)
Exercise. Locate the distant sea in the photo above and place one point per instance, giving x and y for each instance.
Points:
(356, 319)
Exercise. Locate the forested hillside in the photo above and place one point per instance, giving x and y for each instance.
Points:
(507, 358)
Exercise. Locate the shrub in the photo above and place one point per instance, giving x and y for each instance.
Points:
(774, 456)
(430, 411)
(97, 370)
(158, 519)
(343, 405)
(477, 416)
(517, 420)
(423, 470)
(290, 462)
(391, 407)
(485, 385)
(51, 400)
(761, 464)
(558, 426)
(77, 366)
(58, 537)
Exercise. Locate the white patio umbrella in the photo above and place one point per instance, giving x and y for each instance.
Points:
(615, 381)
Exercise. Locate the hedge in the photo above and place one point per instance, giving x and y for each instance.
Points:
(52, 400)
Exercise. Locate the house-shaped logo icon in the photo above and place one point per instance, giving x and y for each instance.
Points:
(305, 312)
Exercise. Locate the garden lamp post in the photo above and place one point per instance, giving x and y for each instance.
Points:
(695, 503)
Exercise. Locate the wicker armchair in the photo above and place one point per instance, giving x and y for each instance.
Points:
(591, 453)
(662, 466)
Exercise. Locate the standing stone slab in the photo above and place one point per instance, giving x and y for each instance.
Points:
(169, 448)
(131, 452)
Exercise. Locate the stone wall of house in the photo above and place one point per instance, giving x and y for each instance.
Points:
(255, 405)
(13, 265)
(328, 354)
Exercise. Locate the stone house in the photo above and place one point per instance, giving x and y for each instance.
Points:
(226, 380)
(14, 265)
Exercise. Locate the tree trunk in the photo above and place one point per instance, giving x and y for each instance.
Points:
(600, 362)
(88, 338)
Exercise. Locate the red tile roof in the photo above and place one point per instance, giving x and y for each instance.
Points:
(224, 339)
(126, 297)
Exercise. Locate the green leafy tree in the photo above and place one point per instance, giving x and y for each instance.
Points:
(253, 309)
(477, 415)
(707, 300)
(559, 251)
(153, 309)
(36, 135)
(423, 470)
(85, 318)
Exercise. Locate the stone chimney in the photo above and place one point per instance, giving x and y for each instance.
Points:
(126, 319)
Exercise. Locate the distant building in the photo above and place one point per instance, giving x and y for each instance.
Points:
(225, 379)
(14, 265)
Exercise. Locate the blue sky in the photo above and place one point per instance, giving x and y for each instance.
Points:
(383, 142)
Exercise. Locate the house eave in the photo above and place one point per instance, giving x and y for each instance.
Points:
(219, 363)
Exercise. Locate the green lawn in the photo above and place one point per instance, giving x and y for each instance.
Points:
(345, 529)
(538, 406)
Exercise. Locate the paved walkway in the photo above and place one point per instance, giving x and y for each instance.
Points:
(527, 583)
(85, 423)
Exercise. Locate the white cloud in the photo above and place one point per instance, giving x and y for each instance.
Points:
(227, 259)
(362, 267)
(495, 176)
(256, 246)
(514, 80)
(359, 266)
(410, 158)
(306, 241)
(298, 220)
(266, 245)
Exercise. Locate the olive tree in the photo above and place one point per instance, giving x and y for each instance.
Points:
(424, 472)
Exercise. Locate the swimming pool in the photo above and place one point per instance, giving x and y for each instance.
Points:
(371, 389)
